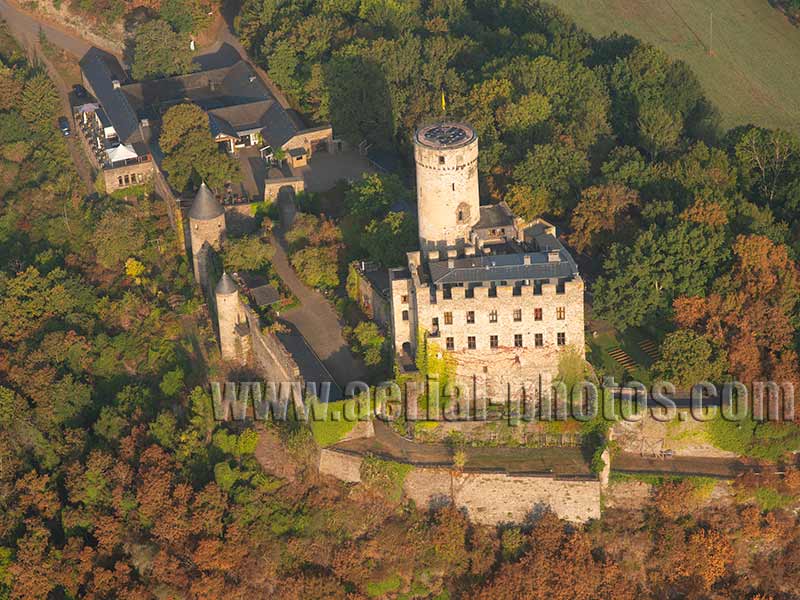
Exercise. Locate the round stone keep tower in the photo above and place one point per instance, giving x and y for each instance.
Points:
(229, 315)
(206, 230)
(448, 200)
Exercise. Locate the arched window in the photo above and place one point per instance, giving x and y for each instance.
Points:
(462, 213)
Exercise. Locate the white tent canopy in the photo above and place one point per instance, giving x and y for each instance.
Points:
(120, 153)
(89, 107)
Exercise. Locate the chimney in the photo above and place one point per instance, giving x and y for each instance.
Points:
(115, 84)
(451, 263)
(145, 122)
(553, 256)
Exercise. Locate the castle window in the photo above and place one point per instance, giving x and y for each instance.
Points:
(537, 288)
(561, 313)
(404, 299)
(538, 340)
(119, 179)
(405, 315)
(561, 338)
(450, 343)
(518, 340)
(454, 189)
(518, 314)
(517, 290)
(537, 314)
(469, 292)
(493, 343)
(492, 292)
(470, 316)
(441, 160)
(447, 293)
(493, 316)
(448, 318)
(560, 287)
(462, 211)
(471, 342)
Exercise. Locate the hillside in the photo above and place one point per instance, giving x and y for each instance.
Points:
(753, 75)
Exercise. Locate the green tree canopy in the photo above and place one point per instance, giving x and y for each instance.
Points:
(642, 280)
(387, 240)
(373, 195)
(191, 155)
(248, 253)
(556, 172)
(687, 358)
(159, 51)
(40, 102)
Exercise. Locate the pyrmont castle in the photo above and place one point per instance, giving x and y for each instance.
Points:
(498, 298)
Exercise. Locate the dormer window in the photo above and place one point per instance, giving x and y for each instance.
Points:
(441, 160)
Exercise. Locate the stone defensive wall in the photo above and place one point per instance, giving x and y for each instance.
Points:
(489, 498)
(269, 354)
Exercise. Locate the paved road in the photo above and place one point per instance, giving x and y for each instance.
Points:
(567, 462)
(317, 322)
(26, 31)
(26, 26)
(724, 468)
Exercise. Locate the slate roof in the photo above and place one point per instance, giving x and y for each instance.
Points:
(493, 216)
(236, 97)
(205, 206)
(265, 295)
(266, 115)
(226, 285)
(99, 72)
(220, 126)
(501, 267)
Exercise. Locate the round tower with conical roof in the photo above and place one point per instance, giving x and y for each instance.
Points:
(231, 320)
(207, 231)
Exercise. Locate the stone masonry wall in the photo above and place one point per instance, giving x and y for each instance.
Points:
(273, 187)
(491, 498)
(447, 188)
(136, 174)
(496, 368)
(269, 354)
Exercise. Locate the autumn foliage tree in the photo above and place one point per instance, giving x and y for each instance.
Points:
(753, 313)
(601, 209)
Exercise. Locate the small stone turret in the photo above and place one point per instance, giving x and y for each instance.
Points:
(231, 321)
(207, 231)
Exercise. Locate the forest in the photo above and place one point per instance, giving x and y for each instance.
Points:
(116, 481)
(684, 230)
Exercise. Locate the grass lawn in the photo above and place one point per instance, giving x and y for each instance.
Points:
(599, 354)
(332, 425)
(753, 75)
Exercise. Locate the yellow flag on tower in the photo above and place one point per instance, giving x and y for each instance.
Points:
(444, 104)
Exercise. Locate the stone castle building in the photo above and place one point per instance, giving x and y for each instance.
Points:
(499, 296)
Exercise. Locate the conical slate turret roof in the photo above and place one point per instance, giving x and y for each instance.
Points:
(226, 285)
(205, 206)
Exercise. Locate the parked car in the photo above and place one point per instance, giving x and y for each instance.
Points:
(63, 125)
(80, 91)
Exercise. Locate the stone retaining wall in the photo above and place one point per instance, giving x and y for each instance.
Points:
(489, 498)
